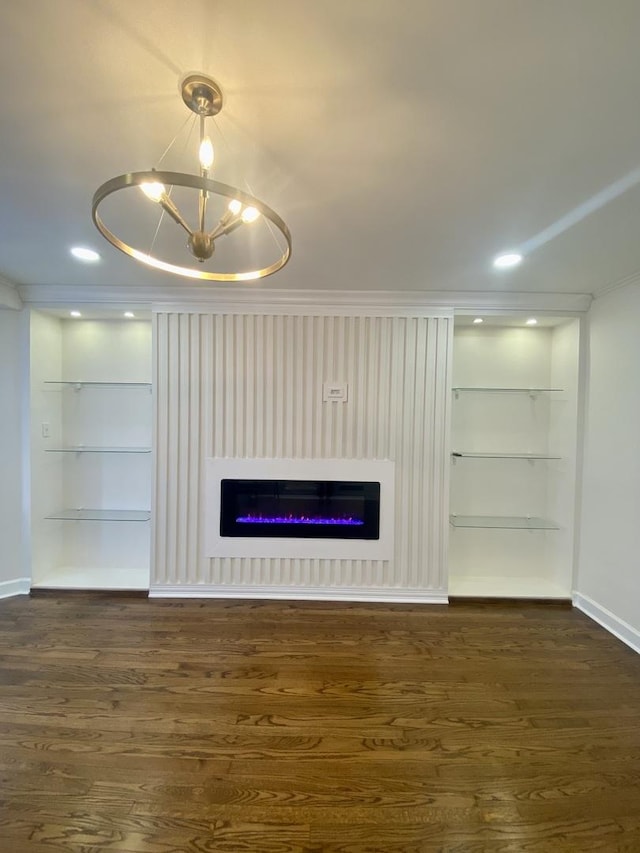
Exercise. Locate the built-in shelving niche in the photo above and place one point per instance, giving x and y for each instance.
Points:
(91, 410)
(513, 442)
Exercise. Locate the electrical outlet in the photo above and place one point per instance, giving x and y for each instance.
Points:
(46, 430)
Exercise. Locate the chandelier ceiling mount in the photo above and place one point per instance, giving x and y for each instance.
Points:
(202, 95)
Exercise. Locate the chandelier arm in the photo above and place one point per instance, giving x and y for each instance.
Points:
(169, 207)
(224, 220)
(222, 229)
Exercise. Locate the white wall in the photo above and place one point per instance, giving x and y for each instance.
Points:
(13, 511)
(251, 386)
(608, 583)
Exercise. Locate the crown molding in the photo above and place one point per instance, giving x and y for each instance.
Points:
(9, 296)
(207, 298)
(627, 281)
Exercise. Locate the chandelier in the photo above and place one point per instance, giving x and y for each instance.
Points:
(217, 210)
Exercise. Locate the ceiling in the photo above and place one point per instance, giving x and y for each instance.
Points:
(404, 143)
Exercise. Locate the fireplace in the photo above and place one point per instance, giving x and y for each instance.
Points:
(310, 509)
(301, 509)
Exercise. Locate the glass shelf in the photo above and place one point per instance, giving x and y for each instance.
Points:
(530, 456)
(83, 448)
(484, 389)
(81, 383)
(101, 515)
(502, 522)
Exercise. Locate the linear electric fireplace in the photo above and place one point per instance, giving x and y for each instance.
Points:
(310, 509)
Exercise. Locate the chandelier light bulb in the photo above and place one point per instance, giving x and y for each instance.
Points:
(235, 206)
(250, 214)
(206, 154)
(153, 190)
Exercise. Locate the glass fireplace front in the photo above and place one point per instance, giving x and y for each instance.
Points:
(310, 509)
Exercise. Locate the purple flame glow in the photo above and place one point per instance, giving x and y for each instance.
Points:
(296, 519)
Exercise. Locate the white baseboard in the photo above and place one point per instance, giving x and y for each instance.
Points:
(616, 626)
(20, 586)
(391, 596)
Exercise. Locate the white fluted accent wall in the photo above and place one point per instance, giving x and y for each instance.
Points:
(250, 385)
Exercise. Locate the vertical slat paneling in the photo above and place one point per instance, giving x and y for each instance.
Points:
(174, 515)
(161, 412)
(290, 401)
(352, 372)
(251, 386)
(182, 441)
(400, 448)
(207, 427)
(257, 332)
(193, 453)
(301, 397)
(442, 382)
(266, 446)
(420, 441)
(279, 380)
(216, 371)
(318, 374)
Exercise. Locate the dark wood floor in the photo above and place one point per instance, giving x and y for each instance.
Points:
(145, 726)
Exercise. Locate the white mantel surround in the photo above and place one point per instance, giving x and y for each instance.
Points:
(249, 384)
(372, 470)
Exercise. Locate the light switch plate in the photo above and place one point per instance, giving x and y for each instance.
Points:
(335, 392)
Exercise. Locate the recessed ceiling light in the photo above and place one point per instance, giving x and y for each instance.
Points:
(478, 320)
(129, 314)
(84, 254)
(532, 321)
(75, 314)
(506, 260)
